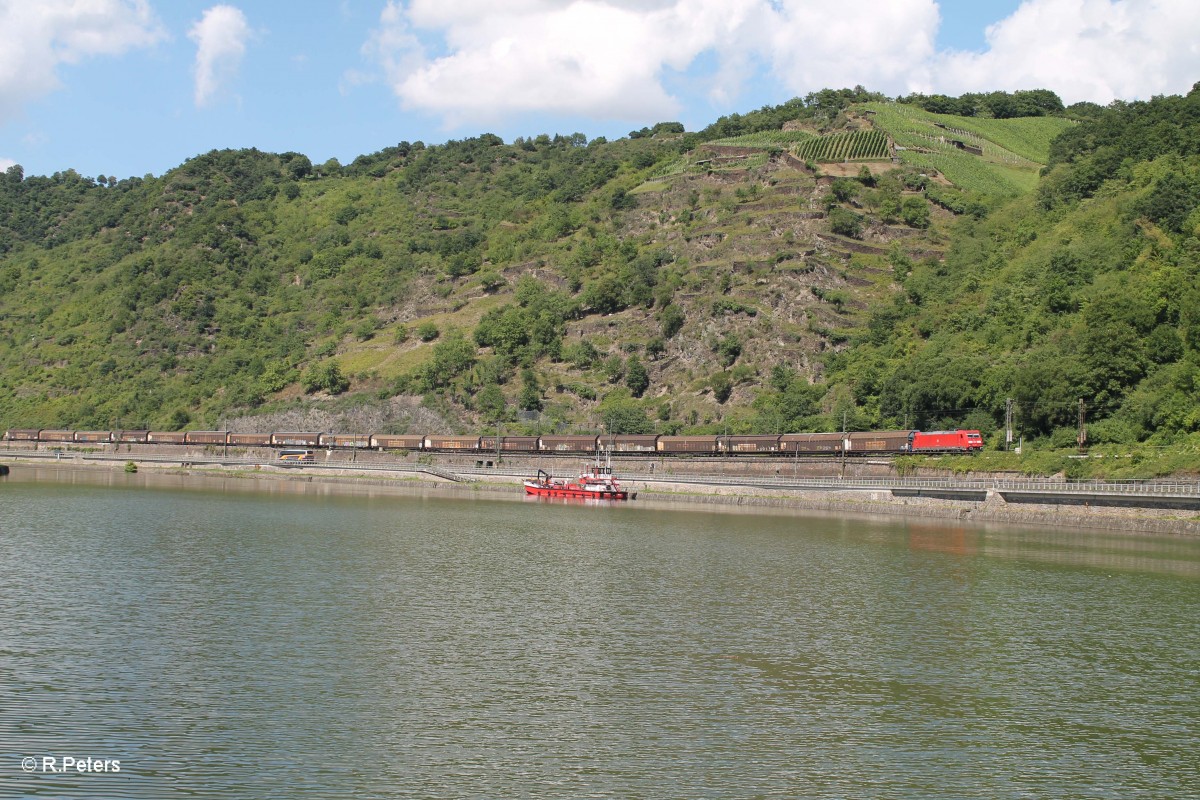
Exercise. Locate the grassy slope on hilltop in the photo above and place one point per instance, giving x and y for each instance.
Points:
(1013, 149)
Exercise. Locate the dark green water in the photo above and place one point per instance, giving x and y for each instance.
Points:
(232, 644)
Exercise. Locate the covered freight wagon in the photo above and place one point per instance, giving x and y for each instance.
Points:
(22, 434)
(451, 442)
(250, 439)
(295, 439)
(400, 441)
(631, 443)
(207, 437)
(131, 437)
(351, 440)
(95, 437)
(166, 437)
(812, 443)
(510, 444)
(880, 442)
(568, 444)
(749, 443)
(56, 436)
(687, 444)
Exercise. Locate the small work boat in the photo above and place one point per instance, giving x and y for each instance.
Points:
(597, 483)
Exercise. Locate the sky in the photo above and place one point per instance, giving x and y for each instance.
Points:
(135, 87)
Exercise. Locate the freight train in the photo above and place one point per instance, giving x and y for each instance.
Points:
(794, 444)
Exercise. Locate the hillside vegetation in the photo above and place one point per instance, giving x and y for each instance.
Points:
(836, 260)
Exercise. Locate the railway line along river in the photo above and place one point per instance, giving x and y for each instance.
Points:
(165, 640)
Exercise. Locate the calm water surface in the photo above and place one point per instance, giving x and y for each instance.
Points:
(234, 644)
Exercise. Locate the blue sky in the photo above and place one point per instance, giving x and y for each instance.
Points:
(135, 87)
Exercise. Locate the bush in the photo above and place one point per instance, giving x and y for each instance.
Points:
(582, 355)
(721, 386)
(845, 223)
(729, 349)
(491, 280)
(366, 329)
(915, 212)
(427, 332)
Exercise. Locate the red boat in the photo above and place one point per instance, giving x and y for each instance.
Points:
(597, 484)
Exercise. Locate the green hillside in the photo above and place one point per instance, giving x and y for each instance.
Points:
(667, 281)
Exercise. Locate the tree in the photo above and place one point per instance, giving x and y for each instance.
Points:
(298, 165)
(326, 376)
(636, 376)
(729, 348)
(452, 356)
(845, 189)
(614, 368)
(889, 205)
(604, 295)
(722, 386)
(1170, 202)
(621, 414)
(671, 318)
(531, 391)
(490, 403)
(915, 212)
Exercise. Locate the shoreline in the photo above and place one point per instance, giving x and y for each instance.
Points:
(716, 498)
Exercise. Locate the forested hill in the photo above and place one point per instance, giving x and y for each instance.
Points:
(838, 259)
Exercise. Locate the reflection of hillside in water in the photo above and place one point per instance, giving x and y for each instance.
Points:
(1123, 552)
(950, 540)
(1127, 552)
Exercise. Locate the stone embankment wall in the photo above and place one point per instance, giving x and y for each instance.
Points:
(646, 476)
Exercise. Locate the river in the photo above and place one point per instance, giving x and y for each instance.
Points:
(197, 640)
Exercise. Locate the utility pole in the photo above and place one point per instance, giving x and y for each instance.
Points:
(1008, 423)
(1082, 438)
(843, 471)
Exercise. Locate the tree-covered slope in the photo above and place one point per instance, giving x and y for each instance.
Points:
(1085, 291)
(667, 281)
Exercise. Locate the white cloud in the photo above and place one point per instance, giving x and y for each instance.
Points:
(220, 37)
(5, 163)
(583, 58)
(608, 58)
(477, 61)
(885, 46)
(37, 37)
(1096, 50)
